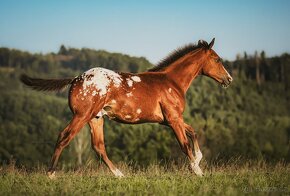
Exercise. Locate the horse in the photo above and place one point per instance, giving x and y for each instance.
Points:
(154, 96)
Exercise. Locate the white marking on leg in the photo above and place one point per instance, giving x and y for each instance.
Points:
(195, 164)
(198, 156)
(118, 173)
(196, 169)
(51, 175)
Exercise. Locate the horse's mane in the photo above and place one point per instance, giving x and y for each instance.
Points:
(176, 54)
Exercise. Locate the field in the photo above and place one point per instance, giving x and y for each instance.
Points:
(249, 178)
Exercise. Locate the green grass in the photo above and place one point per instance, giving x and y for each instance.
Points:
(228, 179)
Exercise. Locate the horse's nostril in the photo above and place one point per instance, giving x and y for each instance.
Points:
(230, 79)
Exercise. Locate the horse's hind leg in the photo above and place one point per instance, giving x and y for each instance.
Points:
(64, 138)
(98, 144)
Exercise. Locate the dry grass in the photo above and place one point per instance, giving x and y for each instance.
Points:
(254, 178)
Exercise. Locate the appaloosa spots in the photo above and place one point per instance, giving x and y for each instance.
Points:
(132, 79)
(100, 78)
(129, 82)
(128, 117)
(94, 93)
(136, 78)
(139, 111)
(101, 113)
(129, 94)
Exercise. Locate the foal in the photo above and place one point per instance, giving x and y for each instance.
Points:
(155, 96)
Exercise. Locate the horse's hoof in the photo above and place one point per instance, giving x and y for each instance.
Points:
(118, 173)
(51, 175)
(196, 169)
(198, 172)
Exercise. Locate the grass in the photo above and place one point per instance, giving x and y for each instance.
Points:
(249, 178)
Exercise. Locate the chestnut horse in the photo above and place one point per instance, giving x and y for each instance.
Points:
(155, 96)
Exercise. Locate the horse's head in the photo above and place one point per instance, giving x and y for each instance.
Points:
(213, 66)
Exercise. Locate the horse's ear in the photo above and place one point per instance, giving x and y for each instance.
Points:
(211, 43)
(202, 43)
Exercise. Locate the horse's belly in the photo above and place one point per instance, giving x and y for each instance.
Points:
(133, 113)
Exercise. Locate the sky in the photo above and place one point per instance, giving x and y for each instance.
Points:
(150, 28)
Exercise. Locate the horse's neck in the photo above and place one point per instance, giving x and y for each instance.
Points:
(184, 71)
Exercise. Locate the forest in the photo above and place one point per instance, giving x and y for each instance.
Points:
(250, 120)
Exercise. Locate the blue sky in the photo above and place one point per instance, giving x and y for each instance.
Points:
(150, 28)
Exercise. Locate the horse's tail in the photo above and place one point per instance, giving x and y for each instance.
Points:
(46, 84)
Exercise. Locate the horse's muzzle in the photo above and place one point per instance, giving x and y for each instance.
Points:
(227, 81)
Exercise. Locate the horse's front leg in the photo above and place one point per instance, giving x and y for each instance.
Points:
(178, 127)
(198, 155)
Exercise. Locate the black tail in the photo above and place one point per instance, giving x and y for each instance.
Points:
(45, 84)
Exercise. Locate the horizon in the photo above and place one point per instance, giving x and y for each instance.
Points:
(150, 29)
(116, 52)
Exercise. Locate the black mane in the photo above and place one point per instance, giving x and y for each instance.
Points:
(176, 54)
